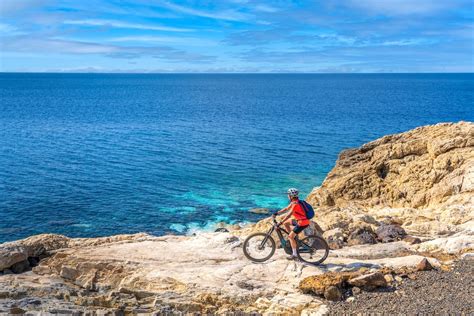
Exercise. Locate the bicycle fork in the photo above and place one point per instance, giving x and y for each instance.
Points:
(264, 241)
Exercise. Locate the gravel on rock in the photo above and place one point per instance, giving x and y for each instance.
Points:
(431, 293)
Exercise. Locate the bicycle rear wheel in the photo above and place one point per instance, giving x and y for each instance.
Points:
(259, 247)
(313, 249)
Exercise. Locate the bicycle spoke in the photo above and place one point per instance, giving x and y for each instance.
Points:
(259, 247)
(312, 249)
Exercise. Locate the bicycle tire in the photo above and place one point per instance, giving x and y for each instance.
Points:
(322, 246)
(246, 243)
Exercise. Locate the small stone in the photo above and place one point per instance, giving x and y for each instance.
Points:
(16, 311)
(334, 238)
(235, 227)
(445, 268)
(221, 230)
(356, 290)
(398, 279)
(335, 244)
(412, 240)
(412, 276)
(69, 273)
(424, 265)
(245, 285)
(262, 303)
(332, 293)
(350, 299)
(388, 278)
(231, 239)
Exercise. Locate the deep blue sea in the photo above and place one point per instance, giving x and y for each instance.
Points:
(100, 154)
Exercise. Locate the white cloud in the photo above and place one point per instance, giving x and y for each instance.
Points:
(125, 25)
(403, 7)
(265, 8)
(228, 15)
(13, 6)
(7, 29)
(190, 41)
(26, 44)
(406, 42)
(63, 46)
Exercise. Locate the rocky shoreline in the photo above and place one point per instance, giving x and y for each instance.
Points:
(398, 214)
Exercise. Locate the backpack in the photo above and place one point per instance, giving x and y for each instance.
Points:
(308, 209)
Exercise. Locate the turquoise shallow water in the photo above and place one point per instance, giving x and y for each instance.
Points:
(100, 154)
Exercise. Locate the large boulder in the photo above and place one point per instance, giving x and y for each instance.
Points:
(9, 255)
(362, 235)
(317, 284)
(335, 238)
(17, 254)
(369, 281)
(390, 233)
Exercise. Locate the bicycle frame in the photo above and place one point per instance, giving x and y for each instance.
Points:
(279, 231)
(283, 241)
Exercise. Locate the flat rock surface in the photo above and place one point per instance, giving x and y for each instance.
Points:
(431, 293)
(203, 273)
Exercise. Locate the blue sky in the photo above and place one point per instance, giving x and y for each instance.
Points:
(237, 36)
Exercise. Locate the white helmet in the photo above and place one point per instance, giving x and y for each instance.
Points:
(292, 192)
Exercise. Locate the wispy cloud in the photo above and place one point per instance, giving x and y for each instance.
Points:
(7, 29)
(13, 6)
(28, 45)
(228, 15)
(265, 8)
(192, 41)
(406, 7)
(125, 25)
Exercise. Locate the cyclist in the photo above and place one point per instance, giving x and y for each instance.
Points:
(296, 218)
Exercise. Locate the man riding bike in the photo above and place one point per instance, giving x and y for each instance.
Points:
(296, 218)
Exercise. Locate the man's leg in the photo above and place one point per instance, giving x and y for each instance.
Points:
(291, 237)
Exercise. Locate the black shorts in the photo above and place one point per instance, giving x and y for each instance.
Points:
(298, 229)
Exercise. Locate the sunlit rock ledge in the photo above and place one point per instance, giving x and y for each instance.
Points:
(368, 227)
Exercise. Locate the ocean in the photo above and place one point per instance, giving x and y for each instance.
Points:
(99, 154)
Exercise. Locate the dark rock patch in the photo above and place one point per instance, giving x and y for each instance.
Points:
(390, 233)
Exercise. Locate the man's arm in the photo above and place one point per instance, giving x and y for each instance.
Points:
(283, 210)
(289, 207)
(287, 217)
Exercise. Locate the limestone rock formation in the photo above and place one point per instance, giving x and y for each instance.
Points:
(206, 273)
(422, 179)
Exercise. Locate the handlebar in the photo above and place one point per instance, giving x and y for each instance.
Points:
(275, 221)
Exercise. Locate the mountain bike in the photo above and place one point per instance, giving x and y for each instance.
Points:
(260, 247)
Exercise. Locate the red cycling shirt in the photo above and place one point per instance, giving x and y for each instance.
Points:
(299, 214)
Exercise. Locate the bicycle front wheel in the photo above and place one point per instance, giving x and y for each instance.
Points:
(313, 249)
(259, 247)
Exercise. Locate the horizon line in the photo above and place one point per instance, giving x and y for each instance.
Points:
(227, 73)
